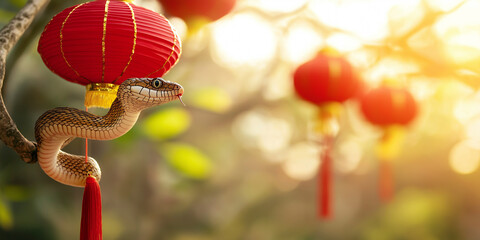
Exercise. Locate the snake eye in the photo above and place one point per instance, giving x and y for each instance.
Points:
(157, 83)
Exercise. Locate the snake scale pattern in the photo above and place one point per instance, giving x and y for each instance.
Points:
(57, 127)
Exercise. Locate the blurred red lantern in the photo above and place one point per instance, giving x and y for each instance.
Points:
(386, 106)
(326, 80)
(391, 108)
(101, 43)
(196, 10)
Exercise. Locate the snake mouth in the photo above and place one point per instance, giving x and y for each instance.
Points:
(152, 95)
(180, 99)
(180, 94)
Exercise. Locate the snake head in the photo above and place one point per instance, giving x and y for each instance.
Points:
(140, 93)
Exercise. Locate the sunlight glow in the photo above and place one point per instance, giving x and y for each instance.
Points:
(443, 5)
(354, 16)
(459, 30)
(276, 6)
(389, 68)
(244, 39)
(301, 42)
(370, 20)
(404, 16)
(421, 88)
(343, 42)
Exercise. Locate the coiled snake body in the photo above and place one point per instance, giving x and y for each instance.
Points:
(57, 127)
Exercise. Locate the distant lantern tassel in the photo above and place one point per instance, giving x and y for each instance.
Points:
(91, 223)
(325, 182)
(386, 180)
(387, 150)
(328, 128)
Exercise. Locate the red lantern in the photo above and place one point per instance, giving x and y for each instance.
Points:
(326, 81)
(387, 106)
(390, 108)
(197, 10)
(101, 43)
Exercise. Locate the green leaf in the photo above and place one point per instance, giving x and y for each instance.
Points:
(18, 3)
(166, 123)
(5, 16)
(6, 220)
(212, 98)
(188, 160)
(16, 193)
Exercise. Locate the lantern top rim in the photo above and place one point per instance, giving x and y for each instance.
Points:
(329, 51)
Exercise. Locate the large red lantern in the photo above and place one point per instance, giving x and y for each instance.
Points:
(101, 43)
(326, 81)
(195, 11)
(390, 108)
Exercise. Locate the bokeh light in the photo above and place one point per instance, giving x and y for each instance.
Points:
(180, 26)
(244, 39)
(302, 161)
(259, 130)
(348, 154)
(464, 159)
(276, 6)
(443, 5)
(355, 16)
(301, 42)
(389, 68)
(343, 42)
(472, 129)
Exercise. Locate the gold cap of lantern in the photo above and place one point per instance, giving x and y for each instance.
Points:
(100, 95)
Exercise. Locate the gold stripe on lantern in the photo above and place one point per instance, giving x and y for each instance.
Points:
(134, 40)
(61, 39)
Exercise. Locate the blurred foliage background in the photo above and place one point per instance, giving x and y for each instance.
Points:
(239, 162)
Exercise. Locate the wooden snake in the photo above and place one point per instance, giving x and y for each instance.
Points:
(57, 127)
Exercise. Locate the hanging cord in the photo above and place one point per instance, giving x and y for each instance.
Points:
(86, 143)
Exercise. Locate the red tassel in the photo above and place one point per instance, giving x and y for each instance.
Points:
(387, 150)
(328, 129)
(324, 183)
(91, 224)
(386, 181)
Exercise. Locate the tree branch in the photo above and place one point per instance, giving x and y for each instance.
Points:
(9, 36)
